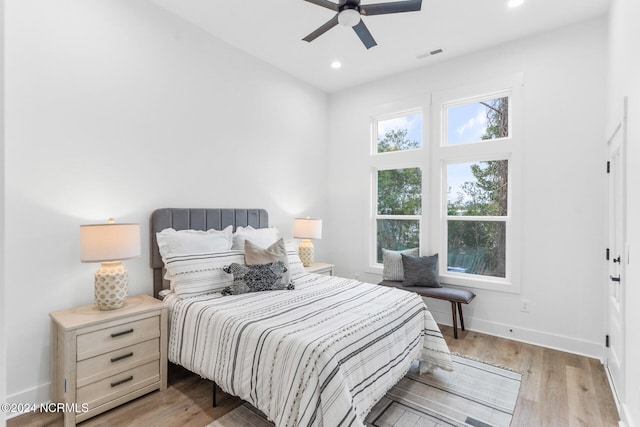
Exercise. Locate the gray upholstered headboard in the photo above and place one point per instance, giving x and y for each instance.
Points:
(197, 219)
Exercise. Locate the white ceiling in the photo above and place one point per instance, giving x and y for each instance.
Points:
(273, 30)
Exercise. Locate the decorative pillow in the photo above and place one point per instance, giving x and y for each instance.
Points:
(263, 237)
(256, 278)
(392, 263)
(254, 254)
(172, 242)
(420, 271)
(197, 274)
(295, 263)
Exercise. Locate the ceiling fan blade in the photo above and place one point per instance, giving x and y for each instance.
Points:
(322, 29)
(325, 3)
(363, 32)
(395, 7)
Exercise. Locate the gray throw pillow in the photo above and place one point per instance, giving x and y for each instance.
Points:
(392, 263)
(420, 271)
(255, 278)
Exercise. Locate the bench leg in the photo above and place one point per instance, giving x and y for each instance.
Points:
(214, 394)
(460, 314)
(455, 321)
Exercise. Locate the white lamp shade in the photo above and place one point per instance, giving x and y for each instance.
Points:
(307, 228)
(109, 242)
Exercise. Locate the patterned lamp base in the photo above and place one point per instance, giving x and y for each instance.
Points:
(305, 251)
(111, 285)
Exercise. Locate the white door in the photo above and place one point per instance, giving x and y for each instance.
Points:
(617, 254)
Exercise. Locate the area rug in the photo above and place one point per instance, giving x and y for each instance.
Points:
(475, 394)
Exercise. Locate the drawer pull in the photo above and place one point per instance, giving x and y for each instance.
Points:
(119, 334)
(124, 356)
(117, 383)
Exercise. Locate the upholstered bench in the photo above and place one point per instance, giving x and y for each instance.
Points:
(456, 296)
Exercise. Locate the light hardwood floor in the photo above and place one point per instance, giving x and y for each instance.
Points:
(558, 389)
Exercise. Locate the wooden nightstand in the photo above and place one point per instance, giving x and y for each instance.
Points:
(101, 359)
(320, 268)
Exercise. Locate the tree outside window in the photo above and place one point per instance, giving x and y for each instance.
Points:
(477, 203)
(399, 191)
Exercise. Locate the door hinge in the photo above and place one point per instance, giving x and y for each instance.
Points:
(607, 256)
(606, 340)
(608, 167)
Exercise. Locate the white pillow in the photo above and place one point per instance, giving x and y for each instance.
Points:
(295, 264)
(392, 263)
(197, 274)
(183, 242)
(262, 237)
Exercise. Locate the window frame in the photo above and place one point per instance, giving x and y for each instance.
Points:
(433, 158)
(507, 148)
(373, 259)
(412, 158)
(508, 220)
(375, 120)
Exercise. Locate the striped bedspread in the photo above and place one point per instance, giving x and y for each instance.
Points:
(320, 355)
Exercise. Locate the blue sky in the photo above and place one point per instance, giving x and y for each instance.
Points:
(466, 123)
(412, 122)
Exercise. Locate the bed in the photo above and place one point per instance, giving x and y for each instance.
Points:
(321, 354)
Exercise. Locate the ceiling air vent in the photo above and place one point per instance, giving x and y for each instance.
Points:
(430, 53)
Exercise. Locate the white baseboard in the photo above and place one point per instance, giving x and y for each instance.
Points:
(36, 395)
(625, 416)
(529, 336)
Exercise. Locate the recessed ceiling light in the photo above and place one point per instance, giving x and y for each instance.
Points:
(514, 3)
(336, 64)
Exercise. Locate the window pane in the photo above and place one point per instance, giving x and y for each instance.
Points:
(478, 121)
(397, 235)
(478, 189)
(400, 133)
(400, 192)
(476, 247)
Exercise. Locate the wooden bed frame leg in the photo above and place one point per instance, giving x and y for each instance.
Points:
(214, 394)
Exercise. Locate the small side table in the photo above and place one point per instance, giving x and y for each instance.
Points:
(102, 359)
(320, 268)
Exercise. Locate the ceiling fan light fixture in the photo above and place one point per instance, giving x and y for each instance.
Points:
(349, 17)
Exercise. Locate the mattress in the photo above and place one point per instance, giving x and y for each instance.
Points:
(320, 355)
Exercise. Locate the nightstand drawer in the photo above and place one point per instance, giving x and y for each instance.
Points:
(102, 359)
(118, 385)
(108, 364)
(112, 338)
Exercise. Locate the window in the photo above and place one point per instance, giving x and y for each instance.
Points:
(454, 189)
(397, 180)
(476, 154)
(478, 121)
(477, 212)
(399, 210)
(399, 133)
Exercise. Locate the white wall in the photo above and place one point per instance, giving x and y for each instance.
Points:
(3, 367)
(624, 80)
(115, 108)
(563, 182)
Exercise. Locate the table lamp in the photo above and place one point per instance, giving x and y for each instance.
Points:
(109, 244)
(307, 229)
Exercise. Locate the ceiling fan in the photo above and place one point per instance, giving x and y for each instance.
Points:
(350, 12)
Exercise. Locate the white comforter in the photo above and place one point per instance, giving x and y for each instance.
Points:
(320, 355)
